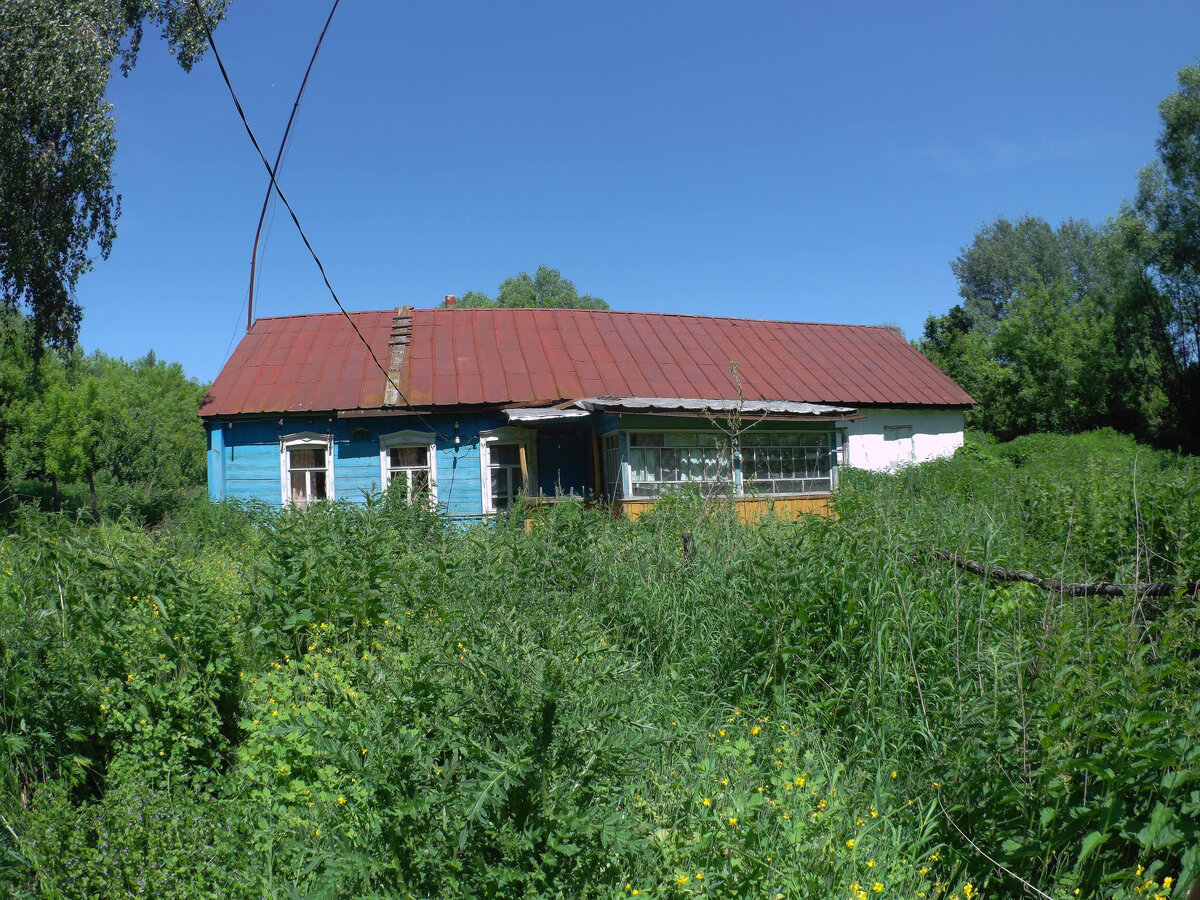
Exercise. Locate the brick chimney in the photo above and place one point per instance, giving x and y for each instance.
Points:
(398, 344)
(451, 300)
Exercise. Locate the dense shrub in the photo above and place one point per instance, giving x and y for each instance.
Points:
(370, 701)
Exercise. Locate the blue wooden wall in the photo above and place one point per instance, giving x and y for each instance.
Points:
(243, 458)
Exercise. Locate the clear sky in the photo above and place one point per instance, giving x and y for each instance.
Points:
(810, 161)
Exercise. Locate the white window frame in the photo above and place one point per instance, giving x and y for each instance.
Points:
(509, 434)
(409, 438)
(298, 441)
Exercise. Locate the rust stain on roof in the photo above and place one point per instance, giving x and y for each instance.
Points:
(502, 357)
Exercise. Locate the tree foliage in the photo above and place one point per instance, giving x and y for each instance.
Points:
(1161, 229)
(103, 421)
(546, 288)
(1076, 327)
(1048, 337)
(58, 205)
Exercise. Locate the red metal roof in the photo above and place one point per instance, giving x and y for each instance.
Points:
(503, 357)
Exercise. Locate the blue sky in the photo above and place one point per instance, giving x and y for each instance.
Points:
(809, 161)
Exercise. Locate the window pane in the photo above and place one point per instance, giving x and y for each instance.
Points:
(505, 455)
(307, 458)
(499, 483)
(299, 487)
(683, 439)
(318, 485)
(646, 440)
(420, 481)
(409, 457)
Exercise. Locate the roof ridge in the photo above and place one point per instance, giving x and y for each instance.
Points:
(636, 312)
(353, 312)
(605, 312)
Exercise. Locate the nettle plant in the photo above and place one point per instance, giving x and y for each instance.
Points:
(470, 755)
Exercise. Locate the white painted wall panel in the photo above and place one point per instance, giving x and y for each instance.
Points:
(934, 433)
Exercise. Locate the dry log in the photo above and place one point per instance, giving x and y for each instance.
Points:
(1070, 588)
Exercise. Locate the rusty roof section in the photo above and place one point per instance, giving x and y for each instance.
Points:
(303, 364)
(532, 357)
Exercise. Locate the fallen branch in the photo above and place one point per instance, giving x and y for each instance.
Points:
(1069, 588)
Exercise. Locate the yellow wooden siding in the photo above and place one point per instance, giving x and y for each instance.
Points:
(749, 509)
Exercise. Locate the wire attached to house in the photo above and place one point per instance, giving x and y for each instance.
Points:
(296, 221)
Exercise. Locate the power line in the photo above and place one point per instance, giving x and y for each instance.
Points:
(283, 143)
(296, 221)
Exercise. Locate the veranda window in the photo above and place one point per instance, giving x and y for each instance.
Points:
(772, 463)
(659, 461)
(786, 463)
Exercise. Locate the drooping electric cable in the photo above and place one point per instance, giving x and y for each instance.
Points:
(278, 160)
(300, 229)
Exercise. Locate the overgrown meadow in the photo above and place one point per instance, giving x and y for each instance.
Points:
(360, 702)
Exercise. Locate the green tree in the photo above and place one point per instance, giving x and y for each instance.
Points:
(151, 435)
(1006, 255)
(1052, 334)
(546, 288)
(16, 372)
(1162, 230)
(109, 424)
(62, 429)
(58, 205)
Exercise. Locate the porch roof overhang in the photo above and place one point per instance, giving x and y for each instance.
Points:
(535, 415)
(698, 406)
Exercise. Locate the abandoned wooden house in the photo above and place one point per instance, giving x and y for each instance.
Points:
(469, 409)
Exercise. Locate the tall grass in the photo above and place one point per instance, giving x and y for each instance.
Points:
(372, 702)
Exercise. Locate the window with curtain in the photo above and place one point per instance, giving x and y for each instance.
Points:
(408, 471)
